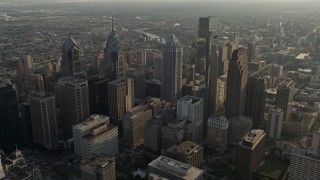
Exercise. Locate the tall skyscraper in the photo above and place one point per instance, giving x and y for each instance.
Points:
(98, 167)
(172, 69)
(284, 97)
(9, 116)
(172, 169)
(95, 136)
(251, 52)
(191, 109)
(237, 84)
(44, 119)
(274, 123)
(172, 134)
(255, 100)
(26, 134)
(238, 127)
(217, 132)
(133, 125)
(304, 164)
(114, 58)
(98, 95)
(250, 153)
(74, 102)
(70, 63)
(139, 77)
(121, 99)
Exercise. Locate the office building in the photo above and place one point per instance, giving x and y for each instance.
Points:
(121, 100)
(207, 25)
(249, 154)
(141, 57)
(251, 52)
(114, 58)
(284, 97)
(172, 134)
(237, 84)
(98, 167)
(304, 164)
(190, 108)
(174, 170)
(74, 102)
(274, 123)
(223, 60)
(238, 127)
(139, 77)
(172, 66)
(133, 125)
(70, 63)
(98, 95)
(95, 135)
(9, 116)
(217, 132)
(44, 119)
(315, 141)
(153, 88)
(26, 134)
(255, 100)
(187, 152)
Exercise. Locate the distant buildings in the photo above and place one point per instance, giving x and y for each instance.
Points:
(9, 114)
(187, 152)
(98, 167)
(305, 164)
(164, 167)
(250, 153)
(238, 127)
(217, 132)
(274, 123)
(95, 135)
(44, 120)
(237, 84)
(191, 109)
(172, 70)
(74, 102)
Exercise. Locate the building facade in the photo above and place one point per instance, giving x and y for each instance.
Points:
(238, 127)
(217, 132)
(70, 63)
(274, 123)
(98, 167)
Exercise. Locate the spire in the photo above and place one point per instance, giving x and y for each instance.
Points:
(69, 43)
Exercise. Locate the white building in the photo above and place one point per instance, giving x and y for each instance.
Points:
(43, 119)
(217, 132)
(274, 124)
(95, 135)
(190, 108)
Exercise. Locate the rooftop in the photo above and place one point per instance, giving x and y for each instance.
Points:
(93, 119)
(191, 99)
(96, 161)
(306, 153)
(273, 169)
(70, 79)
(186, 148)
(251, 139)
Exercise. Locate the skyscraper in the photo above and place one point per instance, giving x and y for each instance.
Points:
(284, 97)
(255, 100)
(250, 153)
(44, 120)
(98, 95)
(139, 76)
(237, 83)
(191, 109)
(238, 127)
(217, 132)
(274, 123)
(121, 99)
(114, 58)
(74, 102)
(251, 52)
(70, 63)
(172, 69)
(9, 116)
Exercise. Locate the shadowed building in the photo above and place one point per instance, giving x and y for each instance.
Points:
(251, 52)
(98, 167)
(70, 63)
(237, 84)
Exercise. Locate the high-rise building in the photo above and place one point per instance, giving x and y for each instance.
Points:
(172, 134)
(114, 58)
(74, 102)
(121, 99)
(304, 164)
(174, 170)
(274, 123)
(141, 57)
(95, 135)
(284, 97)
(172, 69)
(9, 116)
(98, 167)
(187, 152)
(223, 60)
(133, 125)
(139, 77)
(255, 100)
(250, 153)
(153, 88)
(70, 62)
(217, 132)
(238, 127)
(251, 52)
(158, 67)
(190, 108)
(237, 84)
(315, 141)
(44, 119)
(26, 134)
(98, 95)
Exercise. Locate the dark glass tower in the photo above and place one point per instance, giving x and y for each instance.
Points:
(70, 63)
(9, 116)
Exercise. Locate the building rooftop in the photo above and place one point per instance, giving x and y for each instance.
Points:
(216, 119)
(120, 81)
(99, 130)
(186, 148)
(97, 161)
(41, 95)
(175, 167)
(306, 153)
(191, 99)
(93, 119)
(70, 79)
(251, 139)
(273, 169)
